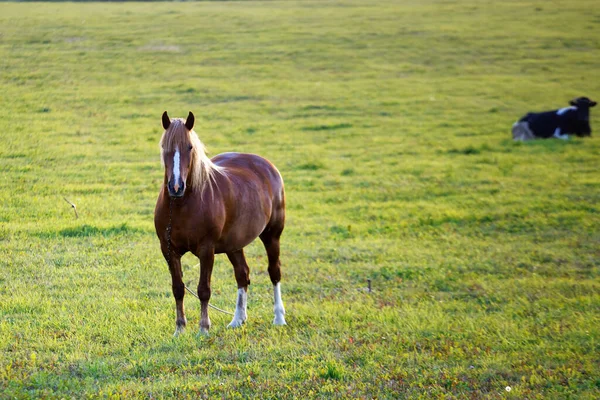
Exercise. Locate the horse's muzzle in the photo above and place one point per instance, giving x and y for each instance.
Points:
(176, 189)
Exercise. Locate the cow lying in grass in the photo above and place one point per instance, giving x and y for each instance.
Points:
(556, 123)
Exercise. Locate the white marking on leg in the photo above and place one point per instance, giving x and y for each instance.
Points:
(240, 316)
(559, 136)
(278, 308)
(181, 321)
(204, 319)
(176, 167)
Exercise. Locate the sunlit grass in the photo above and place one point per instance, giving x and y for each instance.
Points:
(390, 123)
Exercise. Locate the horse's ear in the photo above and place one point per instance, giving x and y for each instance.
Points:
(189, 122)
(593, 103)
(166, 121)
(573, 102)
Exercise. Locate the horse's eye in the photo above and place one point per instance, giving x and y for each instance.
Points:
(190, 147)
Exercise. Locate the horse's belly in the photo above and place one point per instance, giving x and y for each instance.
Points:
(236, 239)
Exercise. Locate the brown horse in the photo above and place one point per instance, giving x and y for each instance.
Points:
(219, 205)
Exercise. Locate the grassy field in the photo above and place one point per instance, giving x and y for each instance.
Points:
(390, 122)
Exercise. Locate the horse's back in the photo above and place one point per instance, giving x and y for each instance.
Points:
(244, 160)
(248, 166)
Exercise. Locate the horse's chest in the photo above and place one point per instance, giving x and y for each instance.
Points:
(189, 233)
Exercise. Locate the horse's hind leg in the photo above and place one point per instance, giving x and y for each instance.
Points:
(242, 276)
(270, 238)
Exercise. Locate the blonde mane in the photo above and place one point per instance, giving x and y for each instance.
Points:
(202, 172)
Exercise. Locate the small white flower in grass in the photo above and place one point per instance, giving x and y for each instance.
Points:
(508, 389)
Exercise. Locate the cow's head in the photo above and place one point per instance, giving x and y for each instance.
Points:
(583, 105)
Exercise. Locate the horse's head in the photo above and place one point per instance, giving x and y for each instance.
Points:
(177, 145)
(583, 105)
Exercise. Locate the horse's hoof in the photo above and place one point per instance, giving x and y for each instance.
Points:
(178, 331)
(279, 320)
(180, 324)
(203, 332)
(236, 323)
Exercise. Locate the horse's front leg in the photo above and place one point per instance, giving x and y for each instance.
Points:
(174, 262)
(207, 259)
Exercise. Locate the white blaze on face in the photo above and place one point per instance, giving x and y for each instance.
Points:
(176, 166)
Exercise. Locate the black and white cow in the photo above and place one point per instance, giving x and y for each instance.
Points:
(556, 123)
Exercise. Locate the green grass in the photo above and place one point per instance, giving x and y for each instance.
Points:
(390, 122)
